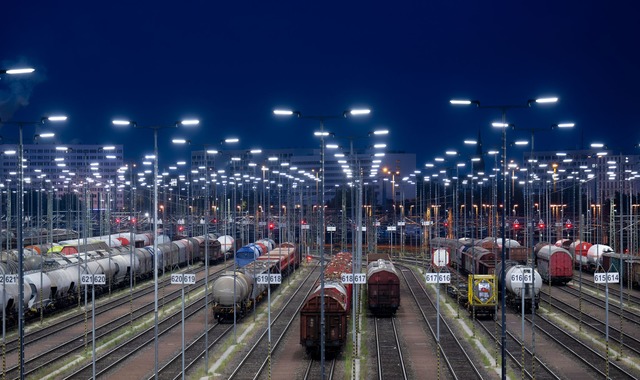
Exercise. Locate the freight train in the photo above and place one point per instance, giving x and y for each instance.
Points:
(383, 287)
(479, 258)
(236, 293)
(611, 262)
(587, 255)
(51, 281)
(337, 305)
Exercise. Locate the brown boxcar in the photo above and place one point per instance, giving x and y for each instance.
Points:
(337, 304)
(383, 287)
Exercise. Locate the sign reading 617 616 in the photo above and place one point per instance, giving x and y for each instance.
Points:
(435, 278)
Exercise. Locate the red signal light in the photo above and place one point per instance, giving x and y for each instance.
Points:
(541, 224)
(118, 220)
(133, 220)
(181, 228)
(516, 225)
(271, 226)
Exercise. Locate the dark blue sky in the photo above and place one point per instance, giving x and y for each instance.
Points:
(231, 63)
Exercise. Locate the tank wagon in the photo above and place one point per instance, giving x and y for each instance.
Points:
(383, 287)
(554, 264)
(251, 252)
(337, 305)
(52, 280)
(514, 284)
(237, 292)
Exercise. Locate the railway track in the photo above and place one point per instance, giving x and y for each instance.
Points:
(388, 350)
(631, 295)
(583, 353)
(629, 316)
(523, 355)
(454, 355)
(314, 371)
(132, 346)
(597, 325)
(75, 345)
(630, 302)
(193, 352)
(257, 358)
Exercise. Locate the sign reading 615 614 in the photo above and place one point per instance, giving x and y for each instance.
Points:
(606, 277)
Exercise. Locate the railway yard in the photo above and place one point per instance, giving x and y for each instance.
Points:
(565, 337)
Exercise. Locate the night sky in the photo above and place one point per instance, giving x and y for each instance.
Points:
(231, 63)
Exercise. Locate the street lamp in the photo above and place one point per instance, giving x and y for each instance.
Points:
(503, 124)
(26, 70)
(322, 134)
(20, 219)
(155, 128)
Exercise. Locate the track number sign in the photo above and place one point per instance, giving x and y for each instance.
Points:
(606, 277)
(93, 279)
(350, 278)
(9, 279)
(187, 279)
(432, 278)
(269, 278)
(525, 276)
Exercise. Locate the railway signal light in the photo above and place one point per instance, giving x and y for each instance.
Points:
(271, 226)
(568, 224)
(516, 225)
(118, 220)
(180, 228)
(541, 224)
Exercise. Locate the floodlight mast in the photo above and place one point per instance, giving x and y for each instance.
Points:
(504, 125)
(155, 128)
(321, 237)
(19, 227)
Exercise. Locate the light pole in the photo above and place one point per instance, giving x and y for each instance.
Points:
(155, 215)
(19, 221)
(503, 124)
(322, 134)
(206, 245)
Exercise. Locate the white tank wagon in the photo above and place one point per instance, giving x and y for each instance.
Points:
(594, 255)
(514, 283)
(226, 243)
